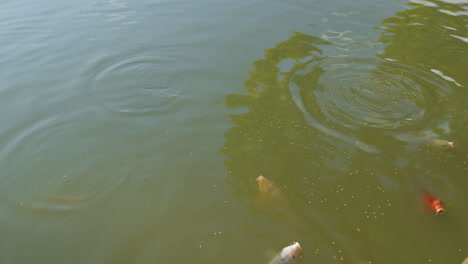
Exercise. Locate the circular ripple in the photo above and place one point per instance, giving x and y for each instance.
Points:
(137, 85)
(354, 92)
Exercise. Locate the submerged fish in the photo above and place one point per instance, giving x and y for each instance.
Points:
(272, 201)
(429, 138)
(442, 144)
(269, 192)
(433, 203)
(55, 204)
(465, 261)
(264, 185)
(288, 255)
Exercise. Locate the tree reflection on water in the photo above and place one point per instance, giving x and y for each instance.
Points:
(313, 122)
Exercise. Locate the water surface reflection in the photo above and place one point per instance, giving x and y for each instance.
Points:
(347, 137)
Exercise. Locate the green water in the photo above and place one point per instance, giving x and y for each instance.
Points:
(134, 132)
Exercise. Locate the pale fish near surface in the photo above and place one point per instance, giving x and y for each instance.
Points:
(429, 140)
(269, 192)
(55, 204)
(443, 144)
(288, 255)
(465, 261)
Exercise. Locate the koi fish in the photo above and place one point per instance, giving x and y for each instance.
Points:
(442, 144)
(288, 255)
(271, 200)
(53, 204)
(270, 192)
(429, 138)
(264, 185)
(433, 203)
(465, 261)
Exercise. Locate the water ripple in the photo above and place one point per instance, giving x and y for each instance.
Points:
(135, 85)
(354, 92)
(110, 10)
(347, 93)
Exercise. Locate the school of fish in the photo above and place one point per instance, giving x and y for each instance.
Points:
(293, 253)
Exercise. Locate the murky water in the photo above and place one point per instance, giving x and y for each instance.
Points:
(134, 132)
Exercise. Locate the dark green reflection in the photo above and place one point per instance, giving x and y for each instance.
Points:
(272, 138)
(317, 123)
(426, 36)
(431, 40)
(434, 38)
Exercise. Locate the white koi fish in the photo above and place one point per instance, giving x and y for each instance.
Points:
(288, 255)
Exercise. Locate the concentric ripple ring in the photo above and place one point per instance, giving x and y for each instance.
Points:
(136, 85)
(353, 92)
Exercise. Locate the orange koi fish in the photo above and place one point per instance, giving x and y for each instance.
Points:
(433, 203)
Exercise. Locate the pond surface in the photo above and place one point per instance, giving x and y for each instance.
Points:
(134, 132)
